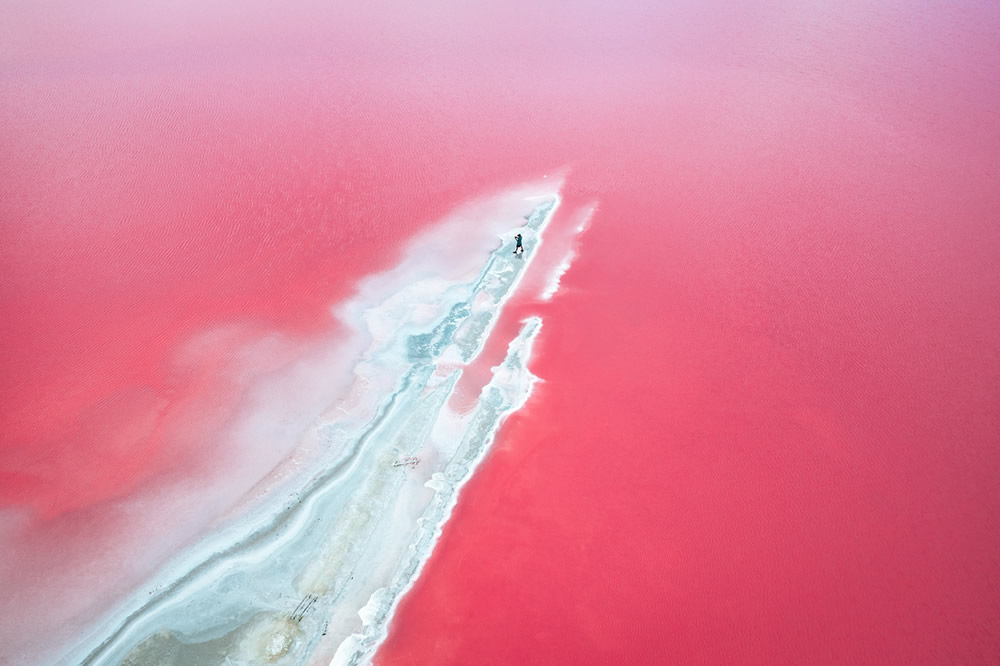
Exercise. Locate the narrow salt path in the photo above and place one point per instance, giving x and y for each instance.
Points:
(323, 562)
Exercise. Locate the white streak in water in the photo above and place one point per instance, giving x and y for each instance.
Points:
(552, 286)
(555, 277)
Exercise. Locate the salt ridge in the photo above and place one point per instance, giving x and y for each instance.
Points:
(285, 580)
(511, 386)
(554, 280)
(552, 286)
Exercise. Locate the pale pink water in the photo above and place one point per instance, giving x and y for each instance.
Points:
(768, 427)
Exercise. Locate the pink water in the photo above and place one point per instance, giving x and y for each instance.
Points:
(768, 427)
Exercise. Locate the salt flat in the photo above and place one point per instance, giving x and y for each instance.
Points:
(314, 563)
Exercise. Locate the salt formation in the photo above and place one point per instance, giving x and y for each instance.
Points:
(318, 564)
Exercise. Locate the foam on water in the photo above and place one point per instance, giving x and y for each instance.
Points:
(323, 552)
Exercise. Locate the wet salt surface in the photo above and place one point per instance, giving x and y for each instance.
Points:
(338, 532)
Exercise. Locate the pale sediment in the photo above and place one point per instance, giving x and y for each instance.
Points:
(285, 583)
(509, 389)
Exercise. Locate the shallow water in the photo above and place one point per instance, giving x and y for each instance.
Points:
(765, 426)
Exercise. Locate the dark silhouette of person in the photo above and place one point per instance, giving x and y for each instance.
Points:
(518, 247)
